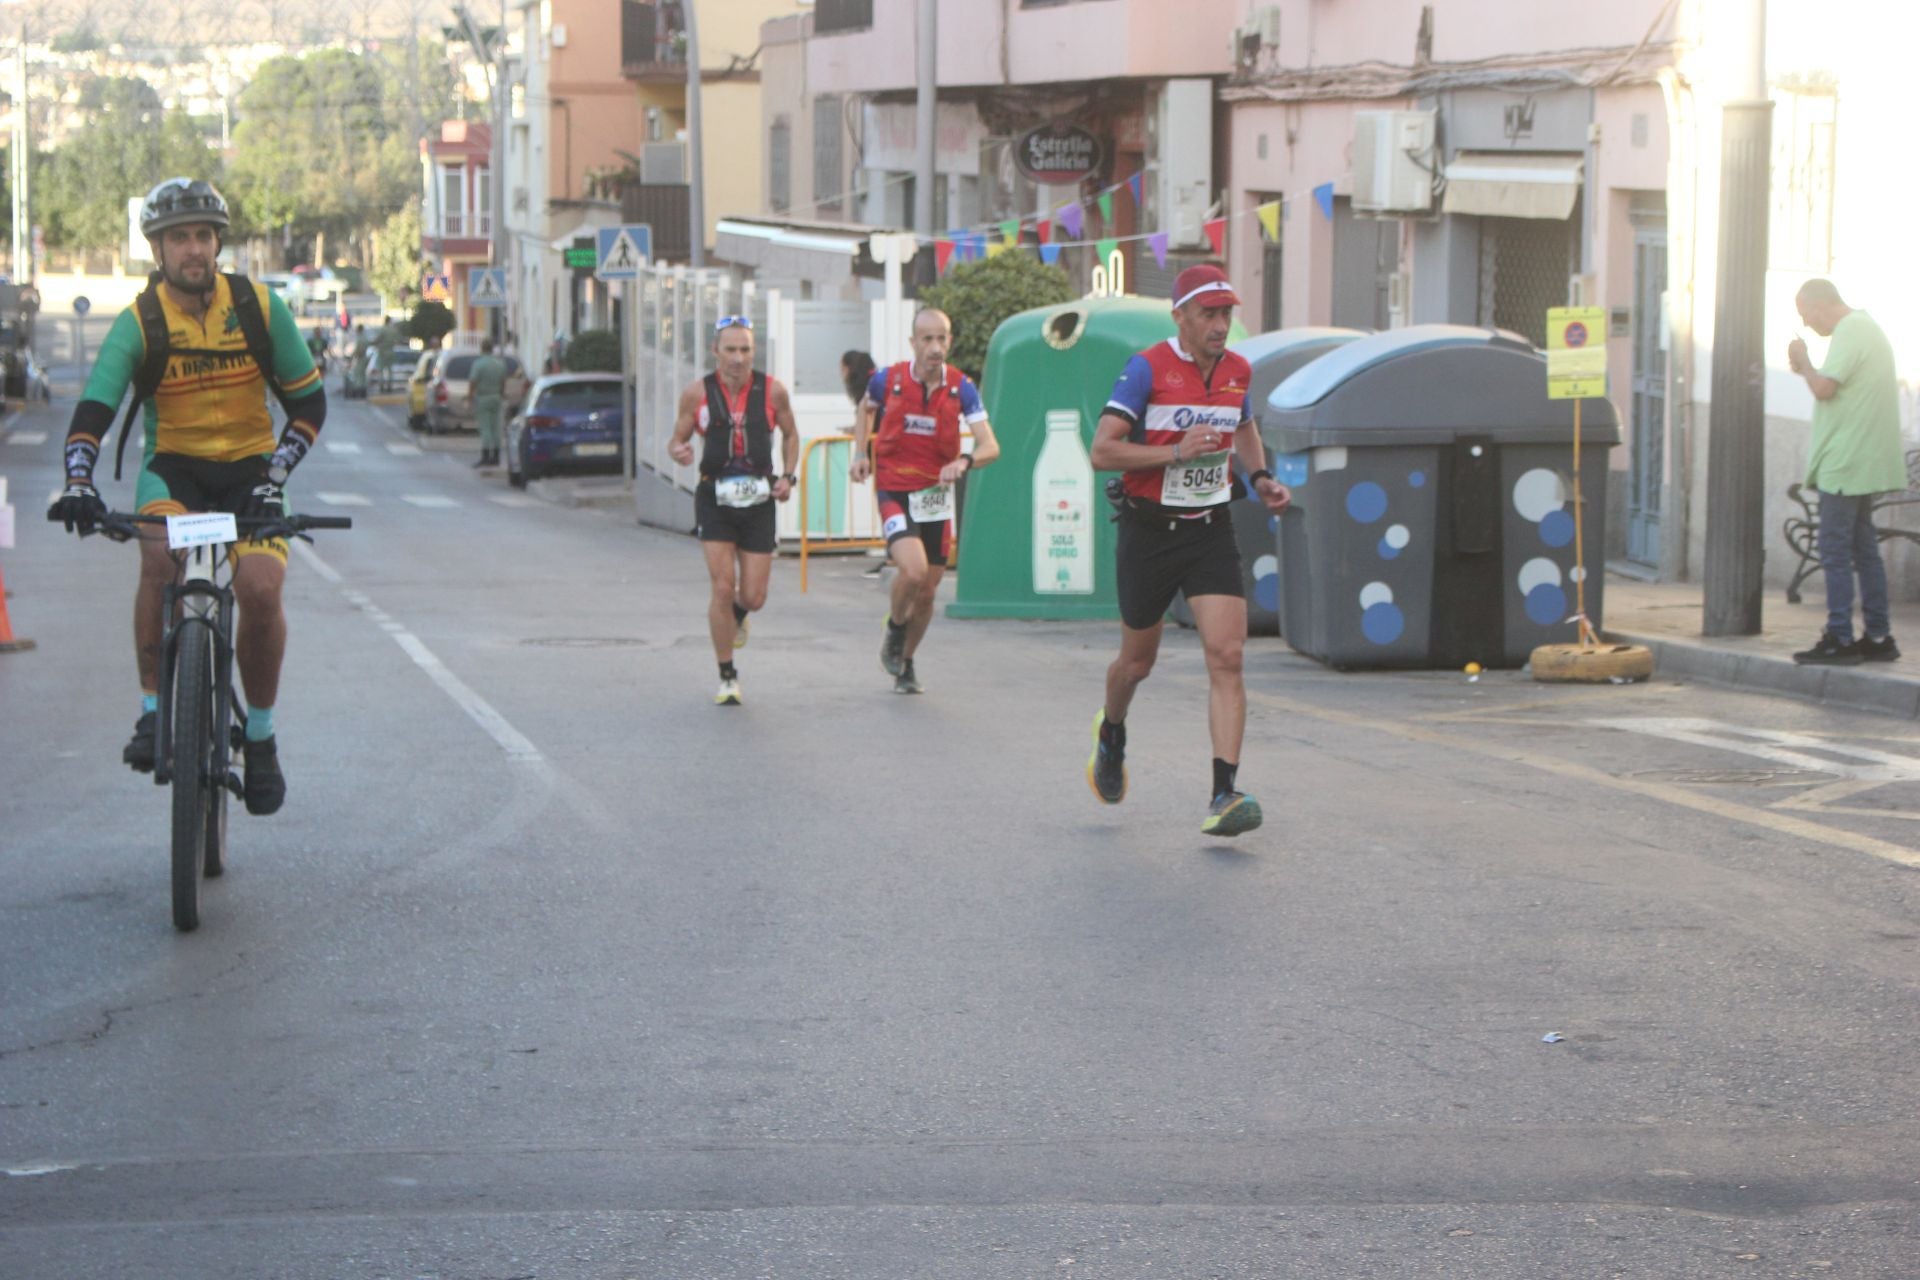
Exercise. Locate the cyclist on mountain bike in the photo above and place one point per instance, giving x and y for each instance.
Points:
(209, 445)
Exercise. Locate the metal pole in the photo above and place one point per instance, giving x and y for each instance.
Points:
(21, 246)
(499, 175)
(924, 118)
(1736, 432)
(696, 163)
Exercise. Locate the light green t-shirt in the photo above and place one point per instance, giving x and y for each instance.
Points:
(1856, 435)
(488, 378)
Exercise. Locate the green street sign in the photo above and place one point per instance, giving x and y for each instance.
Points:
(581, 259)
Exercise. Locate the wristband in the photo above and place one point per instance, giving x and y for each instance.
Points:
(791, 478)
(1258, 476)
(966, 458)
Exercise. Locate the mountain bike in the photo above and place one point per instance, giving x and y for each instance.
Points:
(196, 694)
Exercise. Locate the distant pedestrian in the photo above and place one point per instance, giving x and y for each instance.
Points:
(1855, 455)
(486, 392)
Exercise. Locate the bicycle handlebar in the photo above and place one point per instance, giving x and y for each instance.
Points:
(121, 525)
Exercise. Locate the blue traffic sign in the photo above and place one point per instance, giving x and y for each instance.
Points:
(487, 287)
(623, 251)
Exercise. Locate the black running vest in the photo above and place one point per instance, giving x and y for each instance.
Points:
(717, 458)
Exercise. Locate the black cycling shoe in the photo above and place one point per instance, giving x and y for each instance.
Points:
(139, 751)
(266, 786)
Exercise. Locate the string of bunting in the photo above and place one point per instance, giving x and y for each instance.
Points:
(977, 243)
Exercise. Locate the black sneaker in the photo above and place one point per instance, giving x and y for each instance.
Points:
(266, 786)
(1107, 766)
(1830, 650)
(1881, 650)
(893, 649)
(906, 681)
(139, 751)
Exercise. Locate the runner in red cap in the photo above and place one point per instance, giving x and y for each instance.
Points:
(1178, 417)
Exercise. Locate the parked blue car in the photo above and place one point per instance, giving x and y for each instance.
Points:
(572, 422)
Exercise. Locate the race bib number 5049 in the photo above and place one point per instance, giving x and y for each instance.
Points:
(1198, 482)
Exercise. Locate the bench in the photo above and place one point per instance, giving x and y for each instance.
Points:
(1802, 531)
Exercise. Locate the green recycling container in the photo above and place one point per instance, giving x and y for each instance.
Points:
(1036, 538)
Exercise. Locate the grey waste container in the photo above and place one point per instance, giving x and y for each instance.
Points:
(1432, 518)
(1274, 356)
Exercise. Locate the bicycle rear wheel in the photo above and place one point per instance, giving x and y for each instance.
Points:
(192, 768)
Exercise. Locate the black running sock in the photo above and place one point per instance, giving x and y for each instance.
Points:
(727, 672)
(1223, 776)
(739, 615)
(895, 626)
(1113, 733)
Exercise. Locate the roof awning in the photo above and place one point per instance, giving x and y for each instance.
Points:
(1509, 185)
(823, 257)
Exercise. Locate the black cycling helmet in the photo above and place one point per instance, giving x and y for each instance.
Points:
(179, 201)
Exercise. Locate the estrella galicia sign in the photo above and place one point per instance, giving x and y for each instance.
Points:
(1058, 154)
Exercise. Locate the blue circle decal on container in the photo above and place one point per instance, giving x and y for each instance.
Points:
(1366, 502)
(1417, 479)
(1556, 528)
(1546, 604)
(1382, 623)
(1387, 550)
(1266, 583)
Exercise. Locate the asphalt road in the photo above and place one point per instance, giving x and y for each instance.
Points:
(551, 968)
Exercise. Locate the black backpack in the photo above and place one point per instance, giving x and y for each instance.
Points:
(158, 345)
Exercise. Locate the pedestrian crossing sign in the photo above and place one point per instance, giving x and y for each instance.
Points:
(623, 251)
(487, 287)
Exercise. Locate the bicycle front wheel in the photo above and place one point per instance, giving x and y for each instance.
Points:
(193, 730)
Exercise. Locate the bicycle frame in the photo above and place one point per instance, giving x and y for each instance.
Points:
(198, 600)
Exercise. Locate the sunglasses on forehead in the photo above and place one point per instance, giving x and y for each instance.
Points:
(733, 322)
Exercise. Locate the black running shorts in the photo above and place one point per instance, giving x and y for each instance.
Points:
(1160, 555)
(748, 528)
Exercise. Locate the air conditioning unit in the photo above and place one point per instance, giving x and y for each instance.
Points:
(663, 163)
(1260, 36)
(1393, 162)
(1266, 23)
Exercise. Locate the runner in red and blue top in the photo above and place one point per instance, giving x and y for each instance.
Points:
(922, 406)
(1178, 419)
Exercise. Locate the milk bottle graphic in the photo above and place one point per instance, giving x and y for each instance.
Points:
(1063, 510)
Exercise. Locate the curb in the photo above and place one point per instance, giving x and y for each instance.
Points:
(570, 493)
(1869, 688)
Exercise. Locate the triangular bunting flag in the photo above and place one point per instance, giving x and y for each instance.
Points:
(1106, 209)
(1323, 196)
(977, 246)
(1050, 254)
(942, 254)
(1045, 228)
(1071, 218)
(1010, 230)
(1105, 250)
(1158, 243)
(1133, 184)
(997, 248)
(1216, 229)
(1270, 218)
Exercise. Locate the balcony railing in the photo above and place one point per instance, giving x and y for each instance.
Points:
(465, 226)
(653, 40)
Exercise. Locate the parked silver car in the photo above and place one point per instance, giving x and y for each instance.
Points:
(447, 406)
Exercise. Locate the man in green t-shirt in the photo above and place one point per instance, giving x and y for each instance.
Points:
(487, 392)
(1855, 454)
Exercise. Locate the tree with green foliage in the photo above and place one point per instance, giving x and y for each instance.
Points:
(396, 255)
(320, 148)
(430, 322)
(593, 351)
(129, 145)
(977, 296)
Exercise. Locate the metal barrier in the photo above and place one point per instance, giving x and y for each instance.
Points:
(848, 538)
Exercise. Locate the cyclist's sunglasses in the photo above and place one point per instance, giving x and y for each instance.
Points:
(733, 322)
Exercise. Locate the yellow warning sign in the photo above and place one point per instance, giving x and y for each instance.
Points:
(1576, 352)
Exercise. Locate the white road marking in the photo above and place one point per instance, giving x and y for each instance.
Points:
(27, 437)
(428, 500)
(344, 499)
(511, 740)
(515, 500)
(402, 450)
(341, 446)
(1863, 764)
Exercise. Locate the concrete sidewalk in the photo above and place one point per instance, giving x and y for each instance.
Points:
(1667, 617)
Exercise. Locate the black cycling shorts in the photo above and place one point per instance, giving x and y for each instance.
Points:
(748, 528)
(1159, 555)
(175, 484)
(897, 522)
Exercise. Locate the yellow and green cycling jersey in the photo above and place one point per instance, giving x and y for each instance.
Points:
(212, 401)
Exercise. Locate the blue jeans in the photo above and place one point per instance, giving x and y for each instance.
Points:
(1847, 545)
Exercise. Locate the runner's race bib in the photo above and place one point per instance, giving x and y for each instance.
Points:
(929, 506)
(742, 491)
(1199, 482)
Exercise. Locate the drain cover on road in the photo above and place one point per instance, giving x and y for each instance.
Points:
(1737, 777)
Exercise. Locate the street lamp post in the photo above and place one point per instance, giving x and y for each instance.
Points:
(696, 165)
